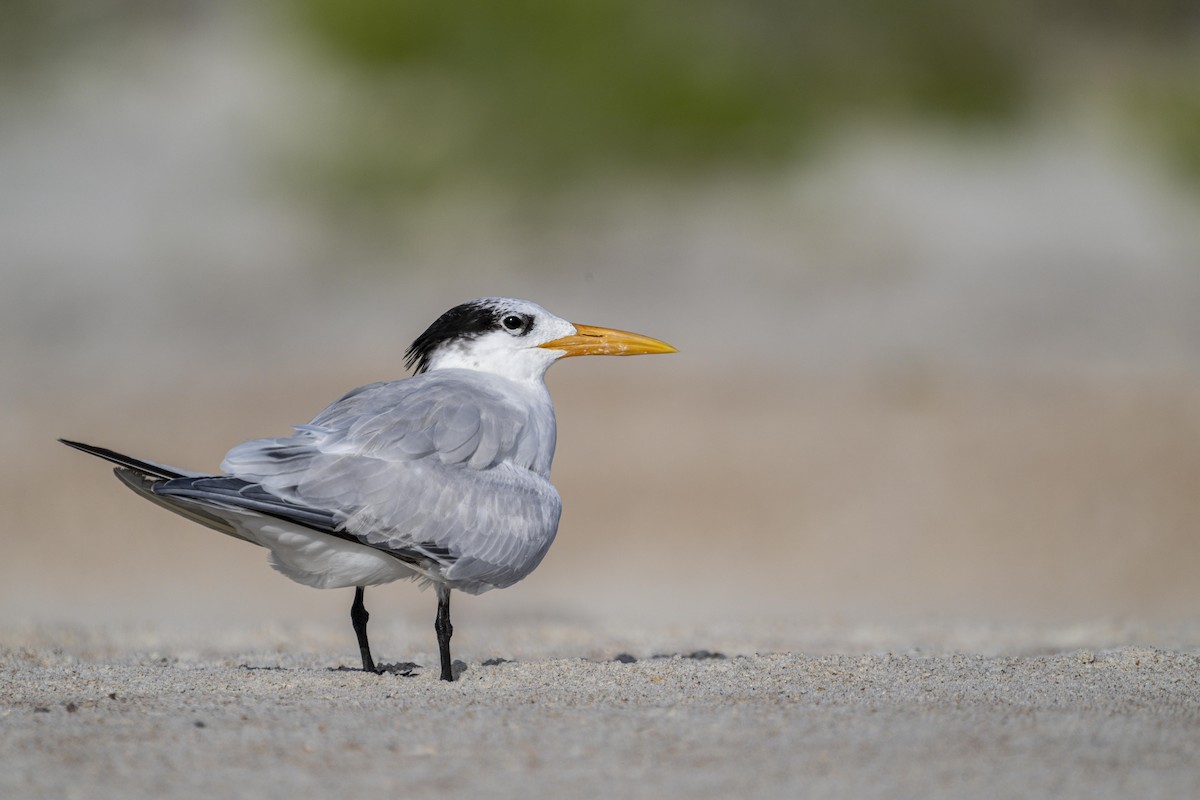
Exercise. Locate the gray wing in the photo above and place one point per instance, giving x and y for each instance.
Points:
(436, 464)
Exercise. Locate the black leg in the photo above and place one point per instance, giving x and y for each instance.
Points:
(359, 616)
(444, 631)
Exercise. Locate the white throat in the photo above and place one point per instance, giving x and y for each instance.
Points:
(495, 355)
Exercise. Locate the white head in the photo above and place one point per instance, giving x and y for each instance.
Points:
(516, 339)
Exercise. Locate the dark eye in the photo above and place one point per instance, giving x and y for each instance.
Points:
(513, 323)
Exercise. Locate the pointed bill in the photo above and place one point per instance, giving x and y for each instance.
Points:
(592, 341)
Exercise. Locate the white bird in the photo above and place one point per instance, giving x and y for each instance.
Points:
(442, 477)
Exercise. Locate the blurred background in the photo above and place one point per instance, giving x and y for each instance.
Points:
(933, 269)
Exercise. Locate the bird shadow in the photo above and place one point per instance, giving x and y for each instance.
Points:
(695, 655)
(404, 669)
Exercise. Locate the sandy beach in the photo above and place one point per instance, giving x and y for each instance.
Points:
(143, 712)
(931, 589)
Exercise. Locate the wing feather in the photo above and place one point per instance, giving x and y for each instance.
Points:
(451, 463)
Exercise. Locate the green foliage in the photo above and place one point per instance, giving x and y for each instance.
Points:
(531, 96)
(552, 92)
(1168, 113)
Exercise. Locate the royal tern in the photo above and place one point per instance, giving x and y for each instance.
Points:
(442, 477)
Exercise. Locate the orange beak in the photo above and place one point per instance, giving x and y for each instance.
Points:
(591, 341)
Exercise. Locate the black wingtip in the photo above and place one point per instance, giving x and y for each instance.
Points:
(146, 467)
(88, 448)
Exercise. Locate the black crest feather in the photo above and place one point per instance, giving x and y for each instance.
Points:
(465, 321)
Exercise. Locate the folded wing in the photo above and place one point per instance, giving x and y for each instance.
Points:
(441, 464)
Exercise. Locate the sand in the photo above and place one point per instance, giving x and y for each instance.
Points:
(144, 657)
(152, 713)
